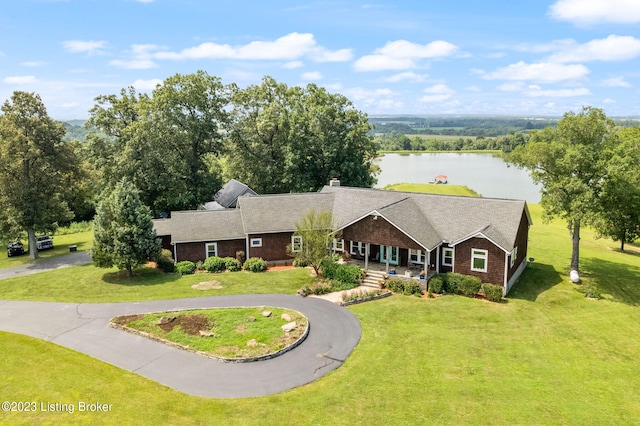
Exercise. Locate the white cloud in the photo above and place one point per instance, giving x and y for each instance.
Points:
(612, 48)
(141, 57)
(437, 93)
(22, 79)
(609, 101)
(146, 85)
(403, 54)
(293, 64)
(616, 82)
(289, 47)
(90, 47)
(34, 64)
(544, 72)
(474, 89)
(406, 76)
(373, 100)
(536, 91)
(596, 11)
(312, 75)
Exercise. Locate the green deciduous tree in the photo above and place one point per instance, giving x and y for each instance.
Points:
(569, 161)
(316, 232)
(285, 139)
(35, 167)
(123, 230)
(619, 216)
(164, 142)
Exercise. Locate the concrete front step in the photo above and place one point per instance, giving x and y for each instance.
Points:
(373, 279)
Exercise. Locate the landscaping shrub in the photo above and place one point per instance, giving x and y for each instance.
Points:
(166, 262)
(300, 263)
(395, 285)
(452, 282)
(185, 267)
(255, 264)
(200, 265)
(492, 292)
(341, 286)
(232, 264)
(436, 284)
(344, 273)
(412, 288)
(215, 264)
(469, 285)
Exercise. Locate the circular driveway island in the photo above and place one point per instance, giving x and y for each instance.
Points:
(333, 334)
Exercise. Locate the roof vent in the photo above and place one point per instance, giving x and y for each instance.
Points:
(334, 182)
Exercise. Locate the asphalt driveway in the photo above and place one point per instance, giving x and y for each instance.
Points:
(44, 265)
(333, 334)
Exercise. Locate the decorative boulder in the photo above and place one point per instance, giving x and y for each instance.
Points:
(289, 326)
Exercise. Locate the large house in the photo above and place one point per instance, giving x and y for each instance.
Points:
(484, 237)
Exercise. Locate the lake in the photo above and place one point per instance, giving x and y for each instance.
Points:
(486, 174)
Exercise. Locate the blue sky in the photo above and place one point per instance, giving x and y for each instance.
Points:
(516, 57)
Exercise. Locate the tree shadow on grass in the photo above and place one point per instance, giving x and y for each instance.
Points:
(144, 276)
(616, 281)
(535, 280)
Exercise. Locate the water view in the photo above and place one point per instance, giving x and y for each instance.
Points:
(486, 174)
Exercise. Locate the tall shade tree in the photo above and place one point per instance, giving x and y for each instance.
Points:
(164, 142)
(123, 230)
(570, 163)
(260, 136)
(330, 140)
(35, 165)
(314, 231)
(285, 139)
(619, 201)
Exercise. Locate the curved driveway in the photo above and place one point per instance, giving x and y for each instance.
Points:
(334, 332)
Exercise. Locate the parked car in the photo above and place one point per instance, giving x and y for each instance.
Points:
(15, 249)
(44, 242)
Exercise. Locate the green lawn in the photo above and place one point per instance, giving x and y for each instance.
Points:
(61, 243)
(90, 284)
(546, 356)
(433, 189)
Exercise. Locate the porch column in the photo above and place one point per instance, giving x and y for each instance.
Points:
(388, 249)
(366, 256)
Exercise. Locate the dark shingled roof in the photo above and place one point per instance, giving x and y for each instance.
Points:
(206, 225)
(230, 192)
(428, 219)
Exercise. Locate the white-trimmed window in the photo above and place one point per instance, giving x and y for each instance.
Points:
(211, 249)
(296, 243)
(357, 248)
(255, 242)
(447, 256)
(479, 260)
(514, 256)
(417, 256)
(338, 245)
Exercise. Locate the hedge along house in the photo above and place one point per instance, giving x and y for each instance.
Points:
(484, 237)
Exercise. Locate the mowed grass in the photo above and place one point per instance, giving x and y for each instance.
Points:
(89, 284)
(546, 356)
(443, 189)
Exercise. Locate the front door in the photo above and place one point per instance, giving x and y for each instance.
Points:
(392, 253)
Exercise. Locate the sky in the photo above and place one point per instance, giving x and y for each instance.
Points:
(491, 57)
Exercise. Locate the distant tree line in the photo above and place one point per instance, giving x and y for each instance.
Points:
(396, 141)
